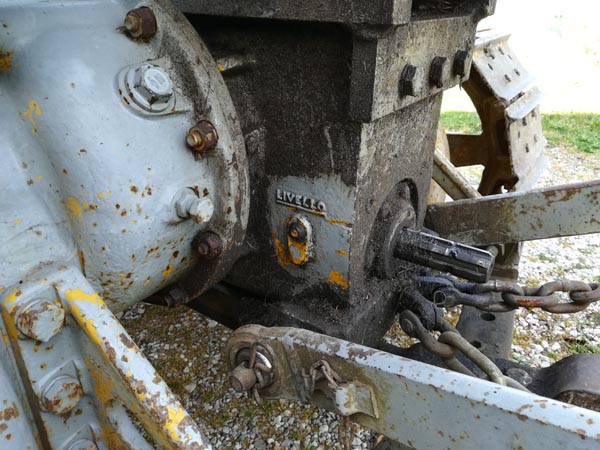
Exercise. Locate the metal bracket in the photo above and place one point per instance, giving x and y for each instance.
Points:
(423, 406)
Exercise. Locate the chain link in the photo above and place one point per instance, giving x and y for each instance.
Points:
(448, 292)
(447, 347)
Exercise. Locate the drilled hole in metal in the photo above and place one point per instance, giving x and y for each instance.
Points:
(488, 317)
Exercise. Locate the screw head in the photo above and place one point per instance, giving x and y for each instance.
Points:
(459, 66)
(61, 394)
(140, 23)
(202, 137)
(436, 71)
(208, 245)
(40, 320)
(411, 81)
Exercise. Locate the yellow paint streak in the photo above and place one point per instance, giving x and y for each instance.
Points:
(10, 300)
(38, 177)
(168, 270)
(147, 281)
(221, 67)
(338, 222)
(339, 279)
(5, 61)
(73, 207)
(342, 252)
(16, 221)
(282, 255)
(175, 415)
(32, 108)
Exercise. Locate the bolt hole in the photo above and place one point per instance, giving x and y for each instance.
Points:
(488, 317)
(476, 344)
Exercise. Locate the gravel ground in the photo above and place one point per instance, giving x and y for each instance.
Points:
(187, 348)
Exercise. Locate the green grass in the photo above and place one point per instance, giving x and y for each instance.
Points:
(574, 131)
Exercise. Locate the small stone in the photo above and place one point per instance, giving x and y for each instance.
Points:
(260, 444)
(190, 387)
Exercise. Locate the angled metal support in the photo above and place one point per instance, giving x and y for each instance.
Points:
(419, 405)
(567, 210)
(85, 381)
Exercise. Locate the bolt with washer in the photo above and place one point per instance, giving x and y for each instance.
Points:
(208, 245)
(150, 87)
(140, 23)
(202, 137)
(61, 395)
(40, 319)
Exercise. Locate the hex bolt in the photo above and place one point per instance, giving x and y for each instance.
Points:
(202, 137)
(296, 230)
(150, 87)
(140, 23)
(208, 245)
(436, 71)
(61, 394)
(40, 320)
(189, 205)
(83, 444)
(242, 378)
(459, 66)
(411, 81)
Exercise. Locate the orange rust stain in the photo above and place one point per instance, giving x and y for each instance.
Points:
(338, 221)
(167, 270)
(300, 256)
(342, 252)
(5, 61)
(282, 255)
(339, 279)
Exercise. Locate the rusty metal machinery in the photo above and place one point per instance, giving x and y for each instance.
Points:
(280, 153)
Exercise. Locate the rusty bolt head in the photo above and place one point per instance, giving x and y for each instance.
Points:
(208, 245)
(140, 23)
(40, 320)
(61, 394)
(242, 378)
(411, 81)
(437, 70)
(296, 230)
(459, 66)
(202, 137)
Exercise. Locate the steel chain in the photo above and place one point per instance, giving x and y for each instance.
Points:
(449, 292)
(447, 347)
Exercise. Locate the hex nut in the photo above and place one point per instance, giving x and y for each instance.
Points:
(150, 87)
(140, 23)
(40, 320)
(411, 81)
(208, 245)
(460, 64)
(61, 395)
(437, 70)
(189, 205)
(202, 137)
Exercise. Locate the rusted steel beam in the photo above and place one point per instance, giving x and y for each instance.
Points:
(567, 210)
